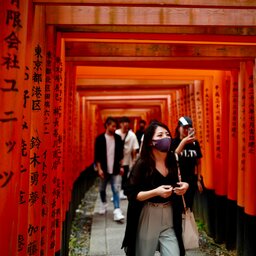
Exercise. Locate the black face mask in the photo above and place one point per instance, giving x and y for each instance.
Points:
(142, 128)
(163, 144)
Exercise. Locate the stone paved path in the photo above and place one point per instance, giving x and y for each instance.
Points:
(98, 235)
(107, 235)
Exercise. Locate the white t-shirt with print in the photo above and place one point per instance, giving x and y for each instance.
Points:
(131, 143)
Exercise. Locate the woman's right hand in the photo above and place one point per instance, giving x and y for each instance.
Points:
(164, 191)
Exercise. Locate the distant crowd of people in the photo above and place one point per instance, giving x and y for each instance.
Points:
(142, 167)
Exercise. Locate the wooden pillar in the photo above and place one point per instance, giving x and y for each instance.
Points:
(38, 150)
(84, 129)
(207, 161)
(241, 134)
(250, 150)
(220, 113)
(233, 137)
(174, 112)
(198, 121)
(13, 36)
(192, 105)
(71, 167)
(48, 127)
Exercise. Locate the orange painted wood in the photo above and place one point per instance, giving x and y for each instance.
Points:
(84, 126)
(208, 171)
(241, 135)
(220, 131)
(158, 49)
(13, 38)
(250, 165)
(58, 174)
(199, 121)
(193, 37)
(114, 15)
(192, 106)
(174, 113)
(233, 137)
(71, 167)
(172, 63)
(172, 3)
(182, 94)
(161, 29)
(24, 196)
(136, 73)
(48, 127)
(38, 150)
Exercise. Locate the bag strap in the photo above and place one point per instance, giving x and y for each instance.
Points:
(179, 178)
(125, 136)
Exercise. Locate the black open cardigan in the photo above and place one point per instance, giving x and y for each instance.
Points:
(139, 180)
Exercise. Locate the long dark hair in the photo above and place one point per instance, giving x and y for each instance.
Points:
(146, 154)
(177, 132)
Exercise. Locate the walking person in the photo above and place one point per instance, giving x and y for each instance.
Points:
(189, 151)
(130, 149)
(139, 133)
(154, 214)
(108, 160)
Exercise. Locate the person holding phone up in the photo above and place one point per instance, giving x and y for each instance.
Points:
(189, 151)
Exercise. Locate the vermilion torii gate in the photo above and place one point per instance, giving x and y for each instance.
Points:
(67, 65)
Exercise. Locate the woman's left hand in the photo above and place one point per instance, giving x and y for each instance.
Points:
(181, 190)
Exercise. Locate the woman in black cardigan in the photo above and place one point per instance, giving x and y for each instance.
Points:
(154, 214)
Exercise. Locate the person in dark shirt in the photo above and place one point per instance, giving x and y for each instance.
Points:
(189, 152)
(154, 214)
(141, 130)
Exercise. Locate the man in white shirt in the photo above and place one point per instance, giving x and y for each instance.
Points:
(130, 150)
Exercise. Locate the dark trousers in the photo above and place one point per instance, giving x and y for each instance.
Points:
(125, 176)
(190, 194)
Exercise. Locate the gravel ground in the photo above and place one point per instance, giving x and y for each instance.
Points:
(79, 242)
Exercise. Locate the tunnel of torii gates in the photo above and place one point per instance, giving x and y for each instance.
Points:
(67, 65)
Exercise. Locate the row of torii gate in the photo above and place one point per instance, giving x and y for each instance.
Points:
(67, 65)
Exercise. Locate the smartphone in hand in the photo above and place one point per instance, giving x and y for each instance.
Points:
(191, 131)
